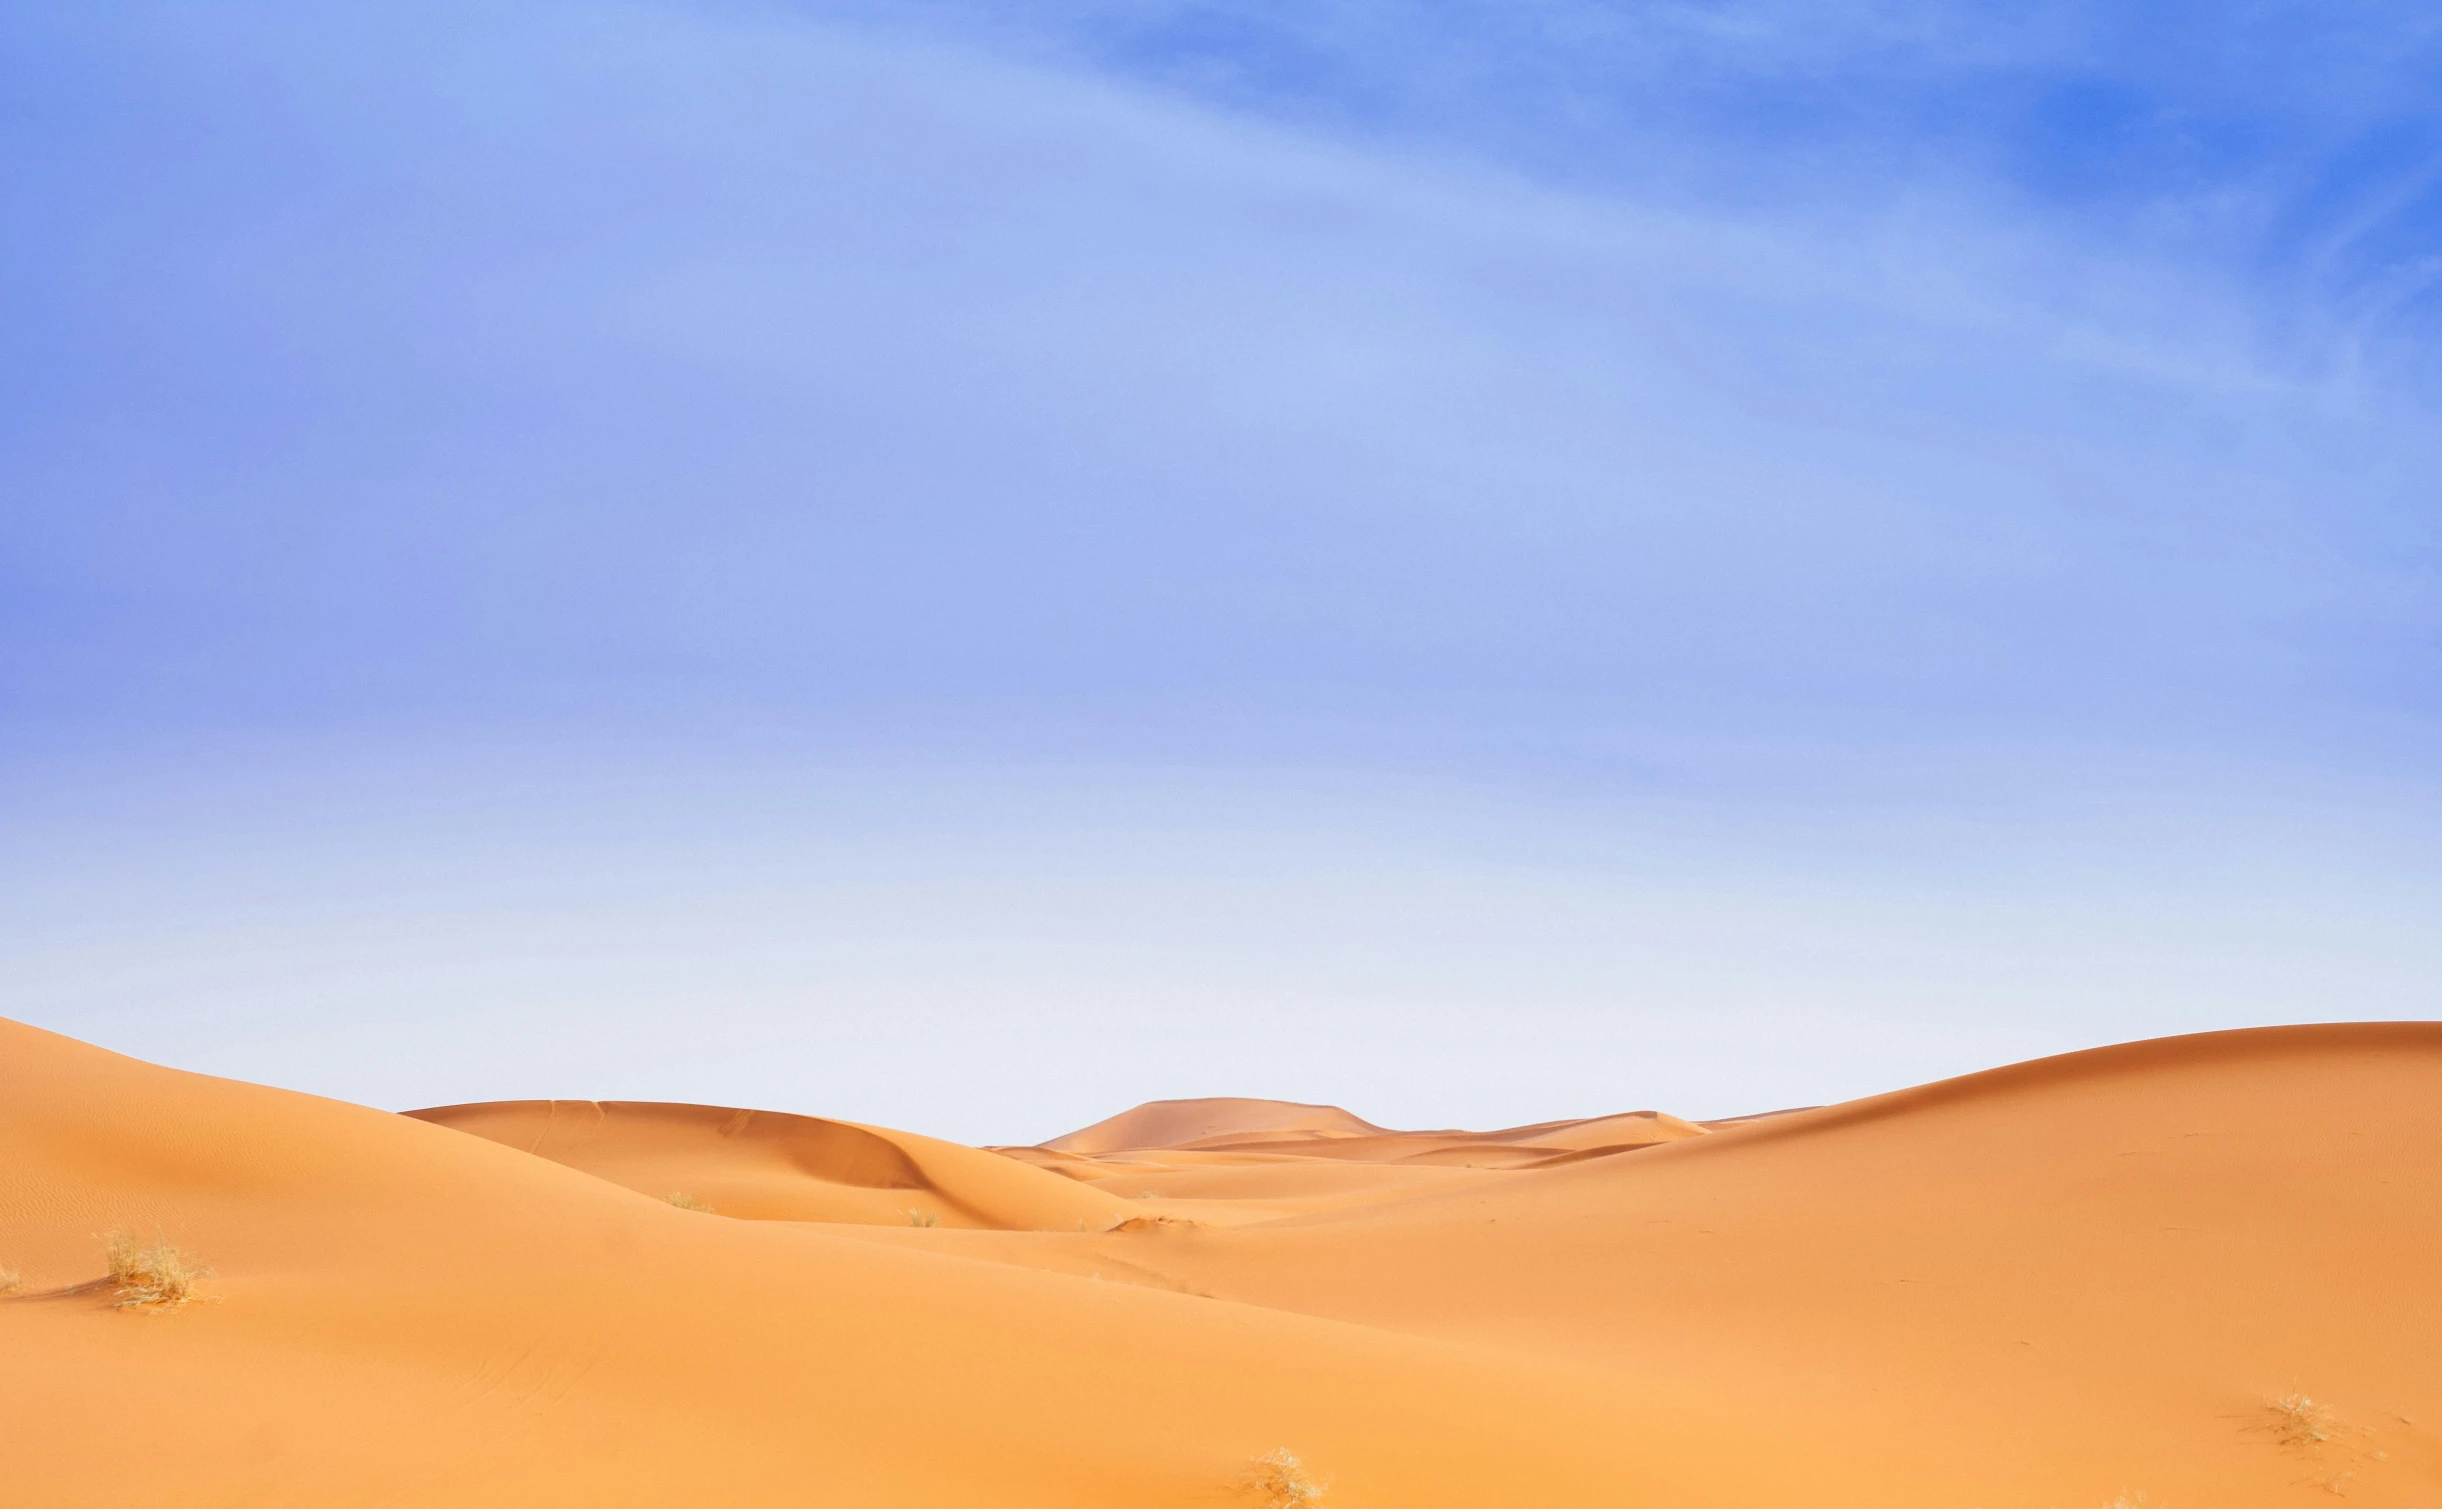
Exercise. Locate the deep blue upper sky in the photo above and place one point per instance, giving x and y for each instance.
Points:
(1607, 388)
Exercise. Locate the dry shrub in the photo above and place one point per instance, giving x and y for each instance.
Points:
(151, 1275)
(924, 1218)
(10, 1279)
(1284, 1482)
(686, 1201)
(2301, 1422)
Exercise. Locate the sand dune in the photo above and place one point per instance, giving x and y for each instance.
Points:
(407, 1314)
(771, 1166)
(1186, 1123)
(2042, 1284)
(1240, 1162)
(2067, 1283)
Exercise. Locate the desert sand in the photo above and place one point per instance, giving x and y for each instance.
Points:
(2189, 1273)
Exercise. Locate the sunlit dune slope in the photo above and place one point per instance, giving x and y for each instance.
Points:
(2045, 1284)
(406, 1314)
(768, 1165)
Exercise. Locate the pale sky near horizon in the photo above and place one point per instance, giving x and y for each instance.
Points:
(968, 566)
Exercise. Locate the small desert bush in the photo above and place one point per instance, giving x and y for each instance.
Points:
(2300, 1421)
(686, 1201)
(1284, 1482)
(10, 1279)
(151, 1274)
(924, 1218)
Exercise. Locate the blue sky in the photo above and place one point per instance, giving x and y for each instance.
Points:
(1755, 552)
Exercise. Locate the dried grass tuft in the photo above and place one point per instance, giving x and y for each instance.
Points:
(1284, 1481)
(11, 1281)
(924, 1218)
(2301, 1422)
(686, 1201)
(151, 1275)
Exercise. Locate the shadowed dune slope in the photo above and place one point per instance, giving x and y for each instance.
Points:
(772, 1166)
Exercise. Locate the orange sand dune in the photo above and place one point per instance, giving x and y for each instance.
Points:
(2082, 1283)
(2047, 1284)
(1518, 1147)
(1261, 1164)
(408, 1315)
(771, 1166)
(1182, 1123)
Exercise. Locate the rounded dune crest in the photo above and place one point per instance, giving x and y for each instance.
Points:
(1182, 1123)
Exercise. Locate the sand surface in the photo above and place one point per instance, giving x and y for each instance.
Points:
(2088, 1281)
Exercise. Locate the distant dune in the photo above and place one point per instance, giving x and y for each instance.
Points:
(771, 1166)
(1185, 1123)
(2183, 1274)
(1232, 1162)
